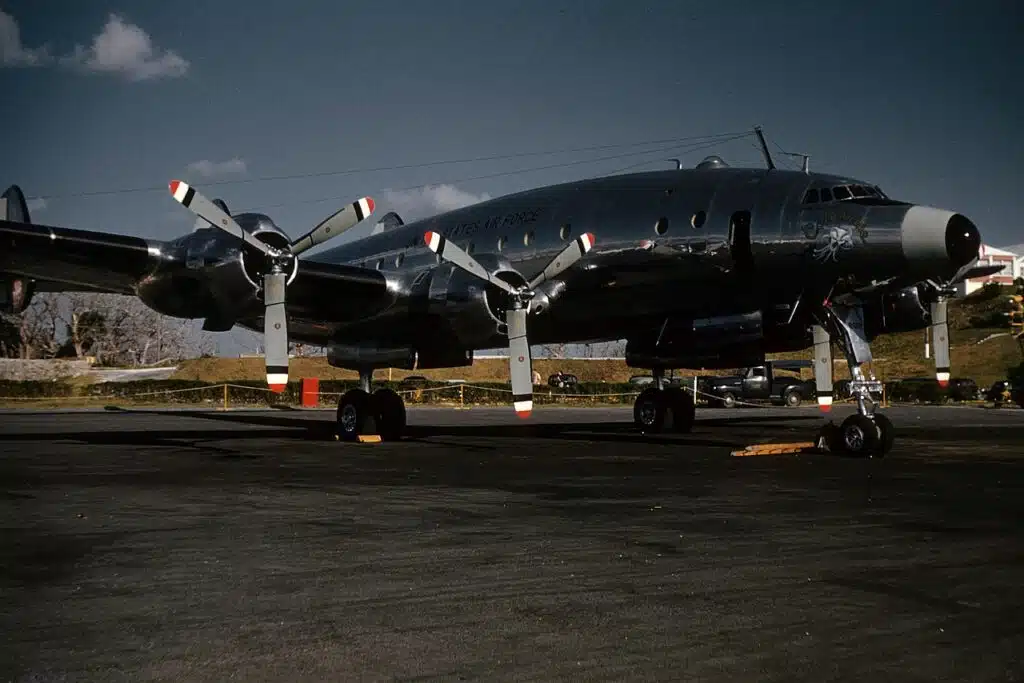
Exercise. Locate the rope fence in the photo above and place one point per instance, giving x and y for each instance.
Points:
(415, 395)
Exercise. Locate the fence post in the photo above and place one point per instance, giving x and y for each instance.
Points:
(462, 396)
(225, 397)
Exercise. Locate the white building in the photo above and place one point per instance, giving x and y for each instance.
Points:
(1011, 260)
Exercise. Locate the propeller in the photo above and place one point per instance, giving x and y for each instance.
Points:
(520, 363)
(275, 280)
(943, 290)
(822, 367)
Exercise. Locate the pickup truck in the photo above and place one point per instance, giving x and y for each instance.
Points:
(759, 383)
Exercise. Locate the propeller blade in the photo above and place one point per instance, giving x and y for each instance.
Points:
(451, 253)
(275, 330)
(520, 365)
(565, 258)
(972, 272)
(822, 368)
(334, 225)
(211, 213)
(940, 340)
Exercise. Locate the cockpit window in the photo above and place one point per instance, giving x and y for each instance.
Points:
(844, 193)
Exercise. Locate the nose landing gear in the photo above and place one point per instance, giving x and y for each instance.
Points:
(866, 433)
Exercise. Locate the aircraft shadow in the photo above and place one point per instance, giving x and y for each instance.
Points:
(720, 432)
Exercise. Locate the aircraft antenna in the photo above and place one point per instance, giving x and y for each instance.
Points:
(679, 164)
(764, 148)
(803, 166)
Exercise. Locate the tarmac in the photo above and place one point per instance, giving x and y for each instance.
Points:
(176, 545)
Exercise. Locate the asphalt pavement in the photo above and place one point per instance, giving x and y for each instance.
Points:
(178, 545)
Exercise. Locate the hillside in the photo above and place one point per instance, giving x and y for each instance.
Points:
(896, 356)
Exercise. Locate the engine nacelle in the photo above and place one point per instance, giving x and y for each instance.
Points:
(205, 274)
(360, 357)
(15, 293)
(706, 343)
(473, 309)
(901, 311)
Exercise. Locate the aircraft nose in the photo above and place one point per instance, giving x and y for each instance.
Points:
(962, 240)
(937, 239)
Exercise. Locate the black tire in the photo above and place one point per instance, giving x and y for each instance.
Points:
(683, 409)
(886, 434)
(649, 411)
(389, 411)
(727, 400)
(792, 398)
(858, 436)
(355, 416)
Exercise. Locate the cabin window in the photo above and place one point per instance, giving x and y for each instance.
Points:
(502, 241)
(811, 197)
(380, 264)
(399, 259)
(563, 232)
(826, 194)
(698, 220)
(661, 226)
(528, 238)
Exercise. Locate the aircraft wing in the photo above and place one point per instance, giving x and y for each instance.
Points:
(65, 259)
(70, 260)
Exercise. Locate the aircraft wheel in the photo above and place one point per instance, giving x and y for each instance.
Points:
(649, 410)
(389, 411)
(886, 434)
(684, 411)
(858, 436)
(355, 415)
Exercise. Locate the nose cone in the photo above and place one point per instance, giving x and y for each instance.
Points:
(937, 241)
(963, 241)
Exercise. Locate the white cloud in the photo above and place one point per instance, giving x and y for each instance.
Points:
(210, 169)
(126, 49)
(431, 200)
(37, 204)
(12, 52)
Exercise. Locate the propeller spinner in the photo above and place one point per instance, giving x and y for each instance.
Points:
(275, 280)
(520, 363)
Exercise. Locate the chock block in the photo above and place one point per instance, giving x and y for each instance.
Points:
(369, 438)
(777, 449)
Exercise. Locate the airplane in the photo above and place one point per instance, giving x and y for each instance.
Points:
(706, 267)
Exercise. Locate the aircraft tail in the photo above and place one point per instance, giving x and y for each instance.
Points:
(13, 206)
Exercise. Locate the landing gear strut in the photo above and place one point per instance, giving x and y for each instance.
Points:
(361, 413)
(867, 433)
(660, 408)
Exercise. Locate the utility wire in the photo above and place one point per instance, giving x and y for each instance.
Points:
(426, 164)
(565, 164)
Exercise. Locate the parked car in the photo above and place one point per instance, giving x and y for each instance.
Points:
(760, 383)
(1001, 391)
(963, 389)
(561, 380)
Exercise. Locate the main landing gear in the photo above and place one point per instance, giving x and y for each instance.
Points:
(660, 408)
(867, 433)
(362, 413)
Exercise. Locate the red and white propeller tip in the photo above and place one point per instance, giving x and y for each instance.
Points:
(432, 240)
(825, 403)
(943, 378)
(278, 381)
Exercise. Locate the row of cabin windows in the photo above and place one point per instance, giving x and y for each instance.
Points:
(697, 221)
(842, 193)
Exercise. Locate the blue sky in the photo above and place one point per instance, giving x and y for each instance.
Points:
(918, 96)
